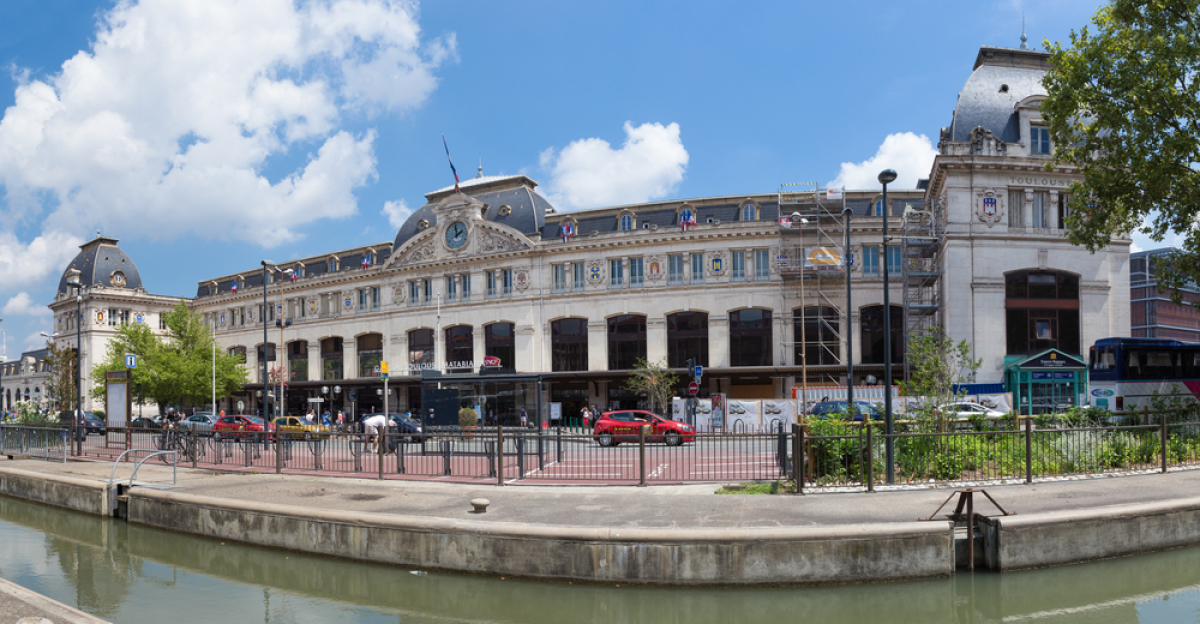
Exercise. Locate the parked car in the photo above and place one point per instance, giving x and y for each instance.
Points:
(242, 426)
(405, 427)
(838, 409)
(967, 409)
(295, 427)
(144, 422)
(94, 424)
(202, 422)
(615, 427)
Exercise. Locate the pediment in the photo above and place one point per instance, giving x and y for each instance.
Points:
(483, 238)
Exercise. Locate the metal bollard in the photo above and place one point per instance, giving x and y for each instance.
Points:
(192, 448)
(316, 446)
(1028, 450)
(520, 440)
(278, 453)
(781, 449)
(797, 460)
(499, 453)
(870, 456)
(1163, 429)
(801, 458)
(382, 448)
(445, 447)
(400, 453)
(489, 450)
(642, 456)
(558, 444)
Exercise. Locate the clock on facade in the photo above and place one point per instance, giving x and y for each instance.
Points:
(456, 235)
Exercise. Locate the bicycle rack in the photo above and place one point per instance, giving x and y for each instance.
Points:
(356, 451)
(739, 426)
(316, 446)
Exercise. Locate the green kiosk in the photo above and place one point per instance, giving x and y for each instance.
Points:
(1048, 382)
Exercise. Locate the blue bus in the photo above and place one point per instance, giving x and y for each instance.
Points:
(1124, 373)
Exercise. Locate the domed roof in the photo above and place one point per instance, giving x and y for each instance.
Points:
(1002, 78)
(101, 263)
(523, 209)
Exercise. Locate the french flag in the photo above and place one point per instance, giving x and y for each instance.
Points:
(366, 261)
(567, 230)
(290, 274)
(687, 219)
(233, 288)
(452, 169)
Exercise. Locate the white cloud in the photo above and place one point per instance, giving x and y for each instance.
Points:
(34, 341)
(30, 263)
(909, 154)
(21, 304)
(397, 212)
(589, 172)
(165, 126)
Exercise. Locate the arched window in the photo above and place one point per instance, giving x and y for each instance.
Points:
(626, 341)
(498, 342)
(331, 265)
(626, 222)
(687, 338)
(749, 212)
(238, 351)
(1041, 312)
(297, 352)
(331, 358)
(420, 350)
(270, 357)
(750, 337)
(871, 324)
(460, 348)
(816, 332)
(687, 216)
(569, 345)
(370, 354)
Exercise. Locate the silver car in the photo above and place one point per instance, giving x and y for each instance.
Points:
(202, 422)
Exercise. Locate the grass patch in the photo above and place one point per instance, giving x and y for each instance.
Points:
(754, 487)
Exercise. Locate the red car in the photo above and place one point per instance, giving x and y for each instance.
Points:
(241, 426)
(615, 427)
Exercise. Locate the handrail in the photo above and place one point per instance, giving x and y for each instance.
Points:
(153, 453)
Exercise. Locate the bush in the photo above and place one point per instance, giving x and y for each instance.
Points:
(467, 417)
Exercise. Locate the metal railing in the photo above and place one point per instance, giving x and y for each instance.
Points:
(49, 442)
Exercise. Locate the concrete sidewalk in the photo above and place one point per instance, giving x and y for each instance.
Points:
(19, 605)
(613, 507)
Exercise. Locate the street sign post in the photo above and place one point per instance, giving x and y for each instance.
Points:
(130, 360)
(699, 372)
(693, 388)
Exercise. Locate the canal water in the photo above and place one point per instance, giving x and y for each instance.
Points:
(130, 574)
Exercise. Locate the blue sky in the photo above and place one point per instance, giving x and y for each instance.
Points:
(208, 135)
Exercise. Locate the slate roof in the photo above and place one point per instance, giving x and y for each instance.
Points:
(97, 261)
(985, 102)
(528, 213)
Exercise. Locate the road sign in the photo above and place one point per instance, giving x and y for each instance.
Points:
(699, 372)
(316, 400)
(241, 406)
(693, 388)
(130, 360)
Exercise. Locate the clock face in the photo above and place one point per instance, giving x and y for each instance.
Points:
(456, 235)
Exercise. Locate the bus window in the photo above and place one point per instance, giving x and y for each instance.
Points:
(1103, 359)
(1133, 366)
(1159, 365)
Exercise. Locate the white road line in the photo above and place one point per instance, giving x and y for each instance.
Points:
(539, 469)
(657, 471)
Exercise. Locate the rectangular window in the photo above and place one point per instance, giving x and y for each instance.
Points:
(635, 272)
(1039, 140)
(451, 288)
(362, 299)
(762, 266)
(1016, 209)
(375, 298)
(428, 286)
(112, 317)
(870, 264)
(579, 279)
(560, 278)
(739, 266)
(508, 282)
(616, 274)
(414, 294)
(466, 287)
(675, 269)
(893, 261)
(1041, 209)
(697, 268)
(491, 284)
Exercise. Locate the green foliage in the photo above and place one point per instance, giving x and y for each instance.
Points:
(768, 487)
(60, 384)
(467, 417)
(1123, 106)
(26, 413)
(176, 369)
(936, 365)
(654, 380)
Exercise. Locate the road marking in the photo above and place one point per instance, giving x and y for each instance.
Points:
(657, 471)
(539, 469)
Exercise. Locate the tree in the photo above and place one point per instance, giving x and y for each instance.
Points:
(177, 369)
(60, 384)
(936, 364)
(654, 380)
(1123, 107)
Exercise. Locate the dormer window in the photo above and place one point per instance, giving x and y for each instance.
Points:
(626, 222)
(1039, 140)
(749, 212)
(331, 265)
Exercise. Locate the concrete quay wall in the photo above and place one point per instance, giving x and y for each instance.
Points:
(809, 555)
(84, 495)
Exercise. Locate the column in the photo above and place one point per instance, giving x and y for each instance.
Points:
(1052, 217)
(479, 345)
(314, 360)
(598, 345)
(1027, 209)
(718, 341)
(656, 339)
(349, 358)
(523, 343)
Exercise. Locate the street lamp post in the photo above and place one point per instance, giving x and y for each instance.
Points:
(265, 414)
(78, 365)
(886, 177)
(847, 213)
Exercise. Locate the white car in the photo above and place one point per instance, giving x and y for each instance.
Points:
(967, 409)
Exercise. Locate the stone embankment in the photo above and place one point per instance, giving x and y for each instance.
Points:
(664, 535)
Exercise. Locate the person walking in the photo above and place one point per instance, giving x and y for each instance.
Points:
(341, 422)
(584, 416)
(524, 418)
(372, 426)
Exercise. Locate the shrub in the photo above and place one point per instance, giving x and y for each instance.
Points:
(467, 417)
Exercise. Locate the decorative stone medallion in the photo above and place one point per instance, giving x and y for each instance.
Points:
(398, 294)
(989, 206)
(521, 277)
(595, 272)
(654, 268)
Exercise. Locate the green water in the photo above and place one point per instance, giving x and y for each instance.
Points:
(130, 574)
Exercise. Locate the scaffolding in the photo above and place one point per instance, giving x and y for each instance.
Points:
(812, 232)
(922, 245)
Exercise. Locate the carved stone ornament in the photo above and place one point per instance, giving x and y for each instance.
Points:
(495, 242)
(398, 294)
(311, 302)
(100, 317)
(989, 205)
(984, 143)
(595, 272)
(222, 320)
(60, 323)
(521, 279)
(718, 264)
(421, 253)
(655, 268)
(347, 300)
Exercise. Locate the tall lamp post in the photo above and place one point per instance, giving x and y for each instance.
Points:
(78, 365)
(887, 176)
(847, 213)
(265, 414)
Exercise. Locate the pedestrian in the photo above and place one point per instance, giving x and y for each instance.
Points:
(524, 418)
(372, 425)
(308, 417)
(341, 422)
(585, 415)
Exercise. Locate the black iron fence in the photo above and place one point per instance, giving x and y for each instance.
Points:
(834, 454)
(46, 442)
